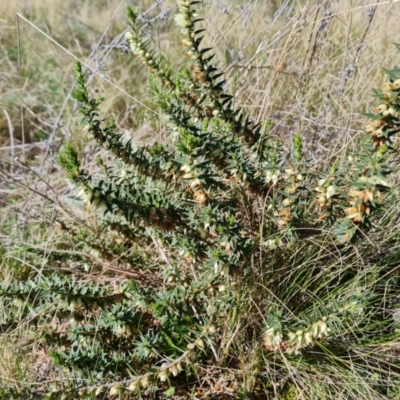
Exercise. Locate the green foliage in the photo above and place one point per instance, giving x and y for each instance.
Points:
(142, 299)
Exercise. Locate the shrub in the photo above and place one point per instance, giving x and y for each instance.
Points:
(217, 256)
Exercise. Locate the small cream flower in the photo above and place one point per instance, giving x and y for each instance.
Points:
(133, 386)
(330, 191)
(115, 390)
(182, 20)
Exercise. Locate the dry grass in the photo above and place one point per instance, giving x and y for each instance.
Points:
(305, 67)
(310, 66)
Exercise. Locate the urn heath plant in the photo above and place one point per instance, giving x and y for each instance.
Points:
(215, 247)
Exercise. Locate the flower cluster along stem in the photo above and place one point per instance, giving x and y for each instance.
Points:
(139, 382)
(293, 341)
(205, 76)
(141, 49)
(158, 67)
